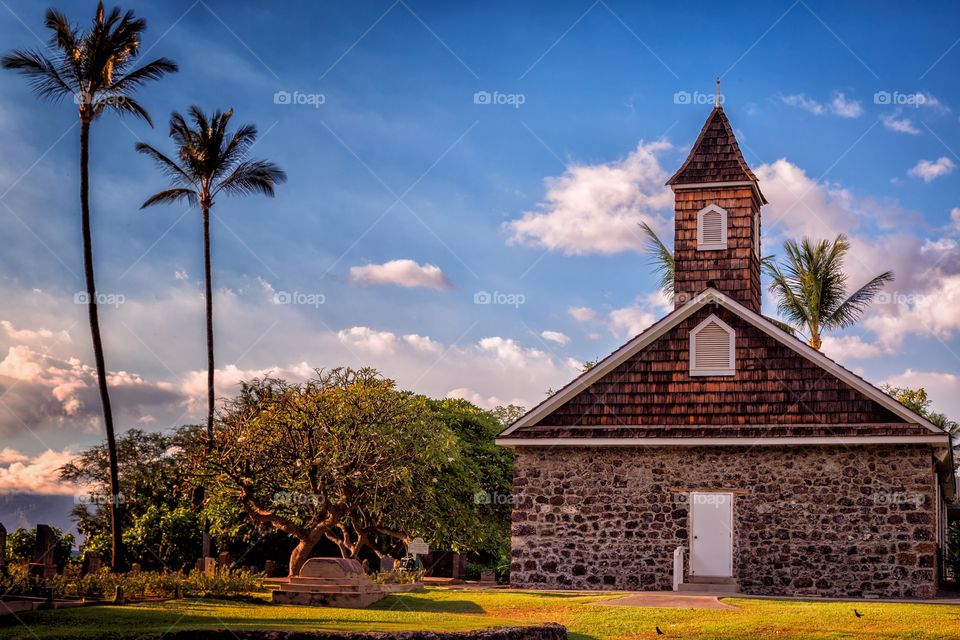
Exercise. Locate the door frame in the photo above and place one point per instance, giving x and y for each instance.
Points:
(691, 501)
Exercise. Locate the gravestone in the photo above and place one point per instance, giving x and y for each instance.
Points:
(135, 567)
(224, 560)
(488, 577)
(91, 563)
(387, 563)
(209, 566)
(270, 568)
(333, 582)
(43, 565)
(418, 547)
(459, 569)
(3, 548)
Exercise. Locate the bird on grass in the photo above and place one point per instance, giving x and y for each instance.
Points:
(659, 632)
(857, 613)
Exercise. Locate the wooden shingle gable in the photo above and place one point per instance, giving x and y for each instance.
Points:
(782, 388)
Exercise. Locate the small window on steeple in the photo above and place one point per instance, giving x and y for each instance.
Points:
(711, 228)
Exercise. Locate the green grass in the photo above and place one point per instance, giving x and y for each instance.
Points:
(449, 609)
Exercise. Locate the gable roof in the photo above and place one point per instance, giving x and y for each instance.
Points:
(530, 426)
(715, 157)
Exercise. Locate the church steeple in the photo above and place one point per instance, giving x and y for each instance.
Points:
(717, 223)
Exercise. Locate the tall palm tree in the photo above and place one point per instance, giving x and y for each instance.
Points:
(811, 287)
(210, 161)
(94, 67)
(662, 260)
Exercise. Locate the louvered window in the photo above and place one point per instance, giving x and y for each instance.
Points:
(712, 349)
(711, 228)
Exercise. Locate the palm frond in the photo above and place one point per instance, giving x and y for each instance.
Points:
(662, 259)
(852, 309)
(170, 196)
(122, 105)
(153, 70)
(253, 176)
(170, 168)
(43, 75)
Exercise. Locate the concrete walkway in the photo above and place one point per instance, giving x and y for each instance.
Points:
(666, 599)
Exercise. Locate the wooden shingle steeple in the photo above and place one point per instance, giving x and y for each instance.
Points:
(715, 186)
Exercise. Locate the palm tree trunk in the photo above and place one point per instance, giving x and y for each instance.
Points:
(116, 510)
(208, 296)
(208, 293)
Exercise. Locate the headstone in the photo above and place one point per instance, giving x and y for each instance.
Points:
(224, 560)
(43, 565)
(270, 568)
(387, 563)
(118, 595)
(488, 577)
(91, 563)
(3, 548)
(209, 566)
(135, 567)
(418, 547)
(459, 569)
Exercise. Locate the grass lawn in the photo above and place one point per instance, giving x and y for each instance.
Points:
(449, 609)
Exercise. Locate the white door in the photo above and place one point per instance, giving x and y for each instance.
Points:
(711, 546)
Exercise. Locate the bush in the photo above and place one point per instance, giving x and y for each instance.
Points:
(225, 583)
(398, 576)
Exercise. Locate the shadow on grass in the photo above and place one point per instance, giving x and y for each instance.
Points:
(408, 602)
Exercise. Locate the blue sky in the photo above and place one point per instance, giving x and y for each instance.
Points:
(847, 111)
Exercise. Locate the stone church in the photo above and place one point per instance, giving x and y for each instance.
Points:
(717, 452)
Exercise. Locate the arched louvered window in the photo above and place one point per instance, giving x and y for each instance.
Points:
(713, 349)
(711, 228)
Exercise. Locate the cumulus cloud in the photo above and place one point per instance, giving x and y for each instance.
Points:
(34, 336)
(368, 340)
(629, 321)
(900, 125)
(38, 475)
(843, 348)
(840, 105)
(582, 314)
(556, 337)
(486, 402)
(930, 170)
(598, 208)
(401, 273)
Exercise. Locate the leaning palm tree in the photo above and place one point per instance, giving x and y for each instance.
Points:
(662, 260)
(94, 68)
(811, 287)
(210, 161)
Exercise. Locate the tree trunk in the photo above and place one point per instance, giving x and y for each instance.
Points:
(208, 294)
(301, 552)
(117, 559)
(211, 395)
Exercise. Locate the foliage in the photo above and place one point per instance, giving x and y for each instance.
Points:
(919, 402)
(212, 160)
(20, 545)
(662, 260)
(225, 583)
(339, 448)
(398, 576)
(811, 287)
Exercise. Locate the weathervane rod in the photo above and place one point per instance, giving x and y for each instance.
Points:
(716, 99)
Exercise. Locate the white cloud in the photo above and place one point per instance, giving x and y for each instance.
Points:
(955, 218)
(22, 474)
(402, 273)
(486, 402)
(900, 125)
(843, 348)
(929, 170)
(840, 105)
(934, 312)
(368, 340)
(555, 336)
(629, 321)
(598, 208)
(942, 388)
(423, 343)
(582, 314)
(34, 336)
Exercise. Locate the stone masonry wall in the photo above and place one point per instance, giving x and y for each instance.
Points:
(828, 521)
